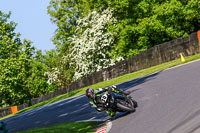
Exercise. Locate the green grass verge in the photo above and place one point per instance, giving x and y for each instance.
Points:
(70, 127)
(117, 80)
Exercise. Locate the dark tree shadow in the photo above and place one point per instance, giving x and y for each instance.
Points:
(132, 83)
(67, 110)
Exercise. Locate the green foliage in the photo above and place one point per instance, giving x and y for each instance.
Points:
(145, 23)
(14, 62)
(141, 25)
(64, 14)
(69, 127)
(37, 81)
(54, 60)
(21, 69)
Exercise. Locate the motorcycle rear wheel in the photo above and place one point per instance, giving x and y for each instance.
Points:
(126, 108)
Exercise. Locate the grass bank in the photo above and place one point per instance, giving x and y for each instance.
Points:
(117, 80)
(71, 127)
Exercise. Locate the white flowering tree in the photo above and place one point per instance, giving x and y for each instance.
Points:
(92, 43)
(53, 77)
(59, 73)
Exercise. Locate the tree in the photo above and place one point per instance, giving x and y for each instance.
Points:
(37, 80)
(15, 59)
(21, 69)
(64, 14)
(14, 64)
(91, 45)
(141, 24)
(59, 73)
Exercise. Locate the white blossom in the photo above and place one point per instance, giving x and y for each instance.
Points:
(53, 76)
(90, 51)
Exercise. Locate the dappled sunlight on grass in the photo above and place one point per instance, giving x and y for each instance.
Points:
(72, 127)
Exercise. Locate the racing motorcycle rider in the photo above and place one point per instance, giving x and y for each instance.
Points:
(95, 98)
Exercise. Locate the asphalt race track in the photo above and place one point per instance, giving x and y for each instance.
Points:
(68, 110)
(169, 102)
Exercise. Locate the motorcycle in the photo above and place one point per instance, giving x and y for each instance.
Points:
(118, 102)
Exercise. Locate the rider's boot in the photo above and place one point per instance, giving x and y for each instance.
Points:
(112, 114)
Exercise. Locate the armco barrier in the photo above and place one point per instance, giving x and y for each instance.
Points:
(158, 54)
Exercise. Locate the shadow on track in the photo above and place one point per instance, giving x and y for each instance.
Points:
(68, 110)
(80, 109)
(137, 81)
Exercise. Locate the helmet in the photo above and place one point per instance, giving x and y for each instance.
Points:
(90, 93)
